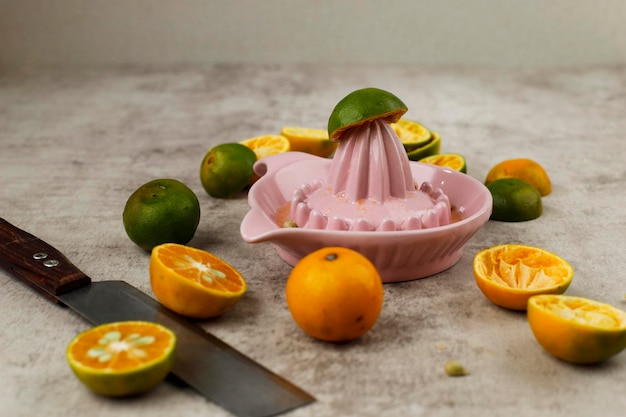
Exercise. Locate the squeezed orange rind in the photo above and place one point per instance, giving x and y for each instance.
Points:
(509, 274)
(577, 329)
(122, 358)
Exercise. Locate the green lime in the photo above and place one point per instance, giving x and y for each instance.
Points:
(161, 211)
(514, 200)
(431, 148)
(447, 160)
(226, 169)
(362, 106)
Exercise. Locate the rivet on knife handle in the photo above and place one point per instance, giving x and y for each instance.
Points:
(37, 263)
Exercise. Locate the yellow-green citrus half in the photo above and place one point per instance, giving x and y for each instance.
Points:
(577, 329)
(412, 134)
(431, 148)
(122, 358)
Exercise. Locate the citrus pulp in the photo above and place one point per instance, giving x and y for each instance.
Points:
(412, 134)
(447, 160)
(267, 145)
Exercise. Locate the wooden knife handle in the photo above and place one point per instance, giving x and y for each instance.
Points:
(37, 263)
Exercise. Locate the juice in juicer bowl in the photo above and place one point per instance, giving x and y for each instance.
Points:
(399, 255)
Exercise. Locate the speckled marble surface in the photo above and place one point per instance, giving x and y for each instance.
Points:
(75, 144)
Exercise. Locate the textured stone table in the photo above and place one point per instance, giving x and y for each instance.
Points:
(74, 145)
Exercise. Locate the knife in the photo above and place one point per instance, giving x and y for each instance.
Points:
(207, 364)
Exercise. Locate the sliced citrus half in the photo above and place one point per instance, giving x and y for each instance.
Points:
(508, 275)
(577, 329)
(432, 147)
(267, 145)
(523, 169)
(447, 160)
(193, 282)
(362, 106)
(313, 141)
(122, 358)
(412, 134)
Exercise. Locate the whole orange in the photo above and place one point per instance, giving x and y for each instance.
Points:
(335, 294)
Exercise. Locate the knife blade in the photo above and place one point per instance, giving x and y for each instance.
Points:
(207, 364)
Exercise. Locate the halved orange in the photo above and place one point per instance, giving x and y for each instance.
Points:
(509, 274)
(577, 329)
(193, 282)
(447, 160)
(122, 358)
(313, 141)
(267, 145)
(412, 134)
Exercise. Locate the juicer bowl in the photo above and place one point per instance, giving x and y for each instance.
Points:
(398, 255)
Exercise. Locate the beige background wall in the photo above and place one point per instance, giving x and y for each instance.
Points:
(496, 33)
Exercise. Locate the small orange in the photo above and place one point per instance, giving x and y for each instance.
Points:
(335, 294)
(509, 274)
(122, 358)
(577, 329)
(193, 282)
(523, 169)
